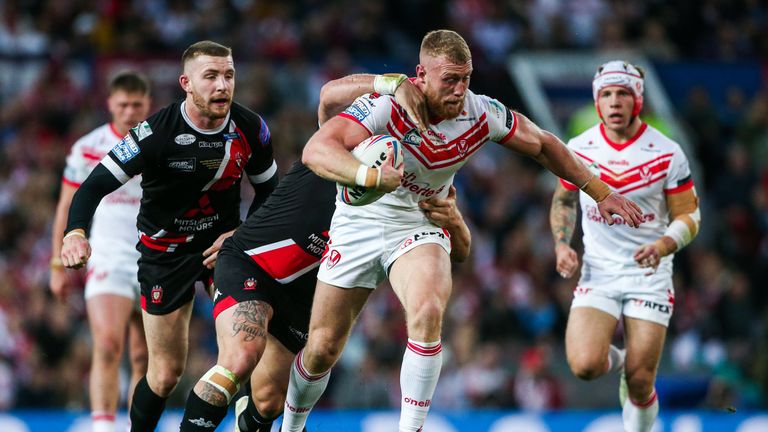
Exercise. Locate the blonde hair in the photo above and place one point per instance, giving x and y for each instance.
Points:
(446, 43)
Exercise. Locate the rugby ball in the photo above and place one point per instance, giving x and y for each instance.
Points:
(373, 153)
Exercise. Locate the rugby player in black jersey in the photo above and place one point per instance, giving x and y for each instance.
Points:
(191, 156)
(265, 279)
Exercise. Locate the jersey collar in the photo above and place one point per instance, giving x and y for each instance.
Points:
(189, 122)
(622, 146)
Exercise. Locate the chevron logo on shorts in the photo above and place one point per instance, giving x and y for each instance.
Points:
(333, 258)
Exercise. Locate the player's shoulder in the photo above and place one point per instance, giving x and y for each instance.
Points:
(241, 111)
(94, 136)
(655, 136)
(586, 139)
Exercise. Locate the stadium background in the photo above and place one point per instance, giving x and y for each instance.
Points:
(505, 325)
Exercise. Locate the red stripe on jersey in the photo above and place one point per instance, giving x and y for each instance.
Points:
(568, 185)
(622, 146)
(69, 182)
(682, 188)
(239, 154)
(225, 303)
(433, 156)
(283, 262)
(605, 169)
(93, 156)
(637, 177)
(143, 302)
(354, 119)
(425, 351)
(643, 184)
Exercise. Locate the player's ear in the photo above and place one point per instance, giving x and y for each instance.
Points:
(420, 71)
(184, 82)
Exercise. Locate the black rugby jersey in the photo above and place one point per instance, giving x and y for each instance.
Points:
(287, 235)
(191, 177)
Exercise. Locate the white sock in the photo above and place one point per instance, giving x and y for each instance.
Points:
(102, 421)
(639, 417)
(615, 358)
(418, 378)
(304, 390)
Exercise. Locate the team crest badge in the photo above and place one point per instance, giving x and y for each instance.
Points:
(412, 137)
(157, 294)
(462, 146)
(645, 174)
(333, 258)
(249, 284)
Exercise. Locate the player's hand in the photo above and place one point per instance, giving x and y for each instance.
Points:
(648, 256)
(75, 251)
(390, 176)
(212, 252)
(415, 104)
(442, 212)
(60, 283)
(617, 204)
(566, 260)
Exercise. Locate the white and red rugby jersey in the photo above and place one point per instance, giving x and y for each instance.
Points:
(645, 169)
(432, 160)
(114, 223)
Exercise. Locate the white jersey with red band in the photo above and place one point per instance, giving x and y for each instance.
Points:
(645, 169)
(114, 224)
(431, 159)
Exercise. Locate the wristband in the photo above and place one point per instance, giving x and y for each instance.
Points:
(56, 263)
(75, 232)
(596, 188)
(387, 84)
(362, 175)
(665, 246)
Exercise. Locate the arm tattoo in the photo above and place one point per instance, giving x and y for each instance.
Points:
(562, 214)
(251, 318)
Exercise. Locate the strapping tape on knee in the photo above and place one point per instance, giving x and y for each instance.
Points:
(223, 380)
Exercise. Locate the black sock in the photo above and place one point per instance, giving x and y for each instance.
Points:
(252, 421)
(200, 415)
(146, 408)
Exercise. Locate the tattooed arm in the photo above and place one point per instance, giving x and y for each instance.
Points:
(562, 220)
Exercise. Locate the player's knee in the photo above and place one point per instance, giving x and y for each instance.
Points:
(241, 364)
(322, 351)
(426, 316)
(166, 379)
(271, 407)
(107, 348)
(586, 366)
(640, 382)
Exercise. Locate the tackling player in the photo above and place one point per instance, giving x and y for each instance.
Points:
(191, 155)
(265, 278)
(626, 272)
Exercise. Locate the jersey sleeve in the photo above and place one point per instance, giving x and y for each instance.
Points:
(261, 166)
(679, 178)
(502, 121)
(133, 153)
(77, 168)
(372, 111)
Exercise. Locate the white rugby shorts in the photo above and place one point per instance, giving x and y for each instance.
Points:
(112, 275)
(363, 246)
(649, 298)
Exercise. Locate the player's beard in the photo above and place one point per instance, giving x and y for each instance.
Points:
(205, 107)
(438, 107)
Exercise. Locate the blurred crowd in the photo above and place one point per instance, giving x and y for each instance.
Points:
(506, 322)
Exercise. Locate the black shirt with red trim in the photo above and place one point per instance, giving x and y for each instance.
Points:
(191, 177)
(287, 235)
